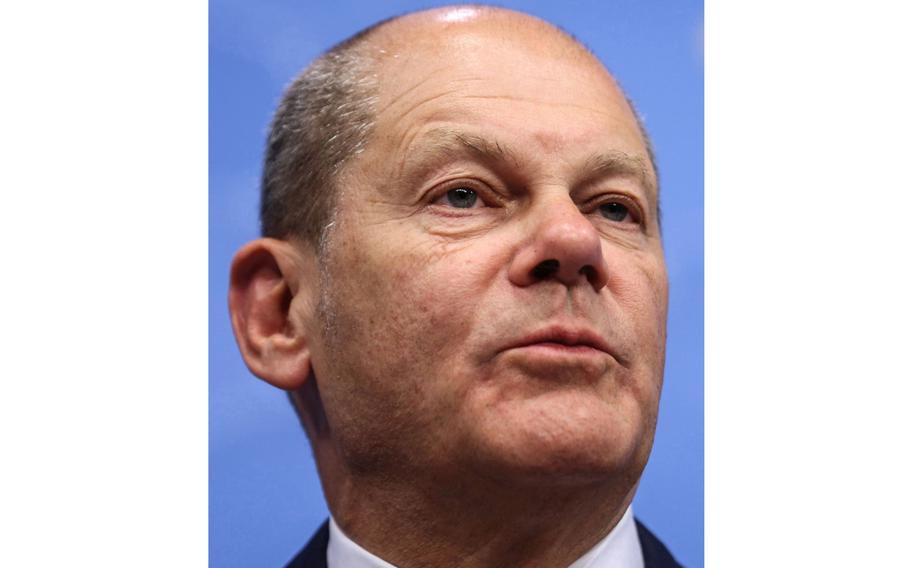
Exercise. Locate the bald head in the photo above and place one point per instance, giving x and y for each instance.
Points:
(428, 30)
(329, 113)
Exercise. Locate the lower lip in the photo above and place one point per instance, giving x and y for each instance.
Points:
(558, 361)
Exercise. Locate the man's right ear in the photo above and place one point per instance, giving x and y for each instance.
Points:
(271, 299)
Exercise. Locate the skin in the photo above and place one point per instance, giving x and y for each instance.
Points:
(452, 419)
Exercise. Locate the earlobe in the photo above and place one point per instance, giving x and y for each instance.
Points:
(270, 303)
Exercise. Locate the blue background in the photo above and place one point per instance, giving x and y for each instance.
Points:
(264, 494)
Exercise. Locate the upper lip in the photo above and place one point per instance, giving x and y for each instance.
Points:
(566, 335)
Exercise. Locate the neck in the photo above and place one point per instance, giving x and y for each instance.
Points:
(465, 521)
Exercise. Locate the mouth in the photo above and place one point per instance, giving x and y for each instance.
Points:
(561, 353)
(564, 339)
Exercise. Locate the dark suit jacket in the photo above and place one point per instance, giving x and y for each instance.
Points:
(655, 553)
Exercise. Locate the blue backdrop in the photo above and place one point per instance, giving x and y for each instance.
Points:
(264, 495)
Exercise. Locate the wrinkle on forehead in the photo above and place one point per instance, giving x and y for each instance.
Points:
(433, 65)
(453, 47)
(481, 73)
(403, 94)
(500, 76)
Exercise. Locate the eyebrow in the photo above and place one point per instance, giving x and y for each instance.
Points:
(483, 148)
(442, 144)
(619, 163)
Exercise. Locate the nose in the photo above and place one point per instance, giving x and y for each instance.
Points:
(562, 245)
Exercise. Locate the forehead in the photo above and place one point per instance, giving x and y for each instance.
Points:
(524, 82)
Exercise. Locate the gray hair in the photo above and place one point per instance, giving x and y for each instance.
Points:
(325, 117)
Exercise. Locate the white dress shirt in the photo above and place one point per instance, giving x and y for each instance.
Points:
(619, 549)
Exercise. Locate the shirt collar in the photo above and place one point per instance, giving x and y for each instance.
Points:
(619, 549)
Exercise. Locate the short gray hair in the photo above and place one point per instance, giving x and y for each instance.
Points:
(325, 117)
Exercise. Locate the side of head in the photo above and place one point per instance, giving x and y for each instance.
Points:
(467, 262)
(323, 120)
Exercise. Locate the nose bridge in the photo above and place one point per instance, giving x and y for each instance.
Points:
(562, 243)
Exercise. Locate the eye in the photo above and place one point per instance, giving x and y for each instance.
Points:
(459, 197)
(615, 211)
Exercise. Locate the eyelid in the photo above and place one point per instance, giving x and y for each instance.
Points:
(485, 193)
(636, 211)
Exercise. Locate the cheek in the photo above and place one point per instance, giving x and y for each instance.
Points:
(441, 284)
(411, 303)
(401, 316)
(638, 285)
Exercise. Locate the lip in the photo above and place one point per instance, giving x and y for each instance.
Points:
(569, 339)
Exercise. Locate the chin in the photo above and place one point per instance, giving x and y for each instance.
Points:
(563, 441)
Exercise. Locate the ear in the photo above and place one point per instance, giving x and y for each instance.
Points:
(272, 295)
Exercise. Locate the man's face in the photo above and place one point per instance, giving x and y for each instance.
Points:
(450, 340)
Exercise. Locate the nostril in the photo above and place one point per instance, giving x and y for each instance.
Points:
(546, 269)
(589, 272)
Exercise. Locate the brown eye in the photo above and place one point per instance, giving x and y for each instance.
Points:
(615, 211)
